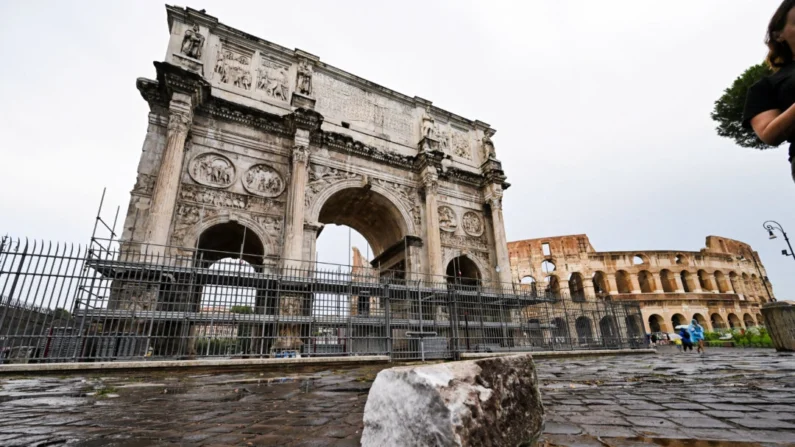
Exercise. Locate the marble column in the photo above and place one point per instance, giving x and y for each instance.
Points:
(164, 196)
(494, 197)
(294, 231)
(430, 181)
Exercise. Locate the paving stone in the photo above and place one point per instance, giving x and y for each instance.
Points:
(650, 422)
(729, 407)
(594, 419)
(700, 422)
(561, 429)
(607, 431)
(724, 414)
(685, 406)
(763, 423)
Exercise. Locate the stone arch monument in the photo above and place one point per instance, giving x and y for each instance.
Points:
(243, 130)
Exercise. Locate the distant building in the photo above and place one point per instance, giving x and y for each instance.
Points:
(722, 286)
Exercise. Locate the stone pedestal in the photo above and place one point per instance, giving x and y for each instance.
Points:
(289, 336)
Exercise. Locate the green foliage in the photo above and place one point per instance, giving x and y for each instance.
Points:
(728, 111)
(754, 337)
(61, 314)
(241, 310)
(711, 336)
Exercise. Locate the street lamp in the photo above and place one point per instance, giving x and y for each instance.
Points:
(771, 225)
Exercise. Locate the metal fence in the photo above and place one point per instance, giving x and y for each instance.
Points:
(90, 303)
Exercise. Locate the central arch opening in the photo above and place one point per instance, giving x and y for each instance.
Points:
(377, 225)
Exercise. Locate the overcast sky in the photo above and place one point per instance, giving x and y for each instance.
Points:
(602, 108)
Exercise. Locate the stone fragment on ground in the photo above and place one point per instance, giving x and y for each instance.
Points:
(488, 402)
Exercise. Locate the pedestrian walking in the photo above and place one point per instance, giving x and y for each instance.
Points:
(698, 335)
(654, 339)
(686, 339)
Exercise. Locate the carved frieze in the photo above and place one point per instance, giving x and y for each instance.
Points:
(472, 223)
(321, 177)
(192, 43)
(233, 68)
(214, 197)
(272, 79)
(461, 146)
(408, 196)
(454, 240)
(213, 170)
(447, 219)
(188, 214)
(226, 199)
(264, 181)
(144, 184)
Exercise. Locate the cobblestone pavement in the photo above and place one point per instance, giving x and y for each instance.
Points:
(727, 397)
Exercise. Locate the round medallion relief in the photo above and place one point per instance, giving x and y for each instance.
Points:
(212, 170)
(447, 219)
(472, 223)
(263, 180)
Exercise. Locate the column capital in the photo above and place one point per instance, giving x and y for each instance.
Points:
(430, 180)
(179, 121)
(493, 195)
(300, 154)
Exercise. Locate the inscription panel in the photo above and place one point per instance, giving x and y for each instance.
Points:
(351, 103)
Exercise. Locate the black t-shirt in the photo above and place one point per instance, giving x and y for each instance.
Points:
(776, 91)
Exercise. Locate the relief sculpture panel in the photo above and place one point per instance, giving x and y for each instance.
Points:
(447, 219)
(263, 180)
(408, 196)
(321, 177)
(212, 170)
(272, 79)
(461, 145)
(472, 223)
(233, 68)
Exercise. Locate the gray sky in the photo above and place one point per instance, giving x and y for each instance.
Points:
(602, 108)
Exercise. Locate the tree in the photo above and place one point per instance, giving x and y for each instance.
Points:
(241, 310)
(728, 112)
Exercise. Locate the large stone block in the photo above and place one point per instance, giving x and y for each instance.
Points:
(488, 402)
(780, 321)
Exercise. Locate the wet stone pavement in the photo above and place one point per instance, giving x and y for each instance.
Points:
(727, 397)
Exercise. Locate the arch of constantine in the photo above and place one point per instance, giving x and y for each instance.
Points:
(250, 138)
(722, 286)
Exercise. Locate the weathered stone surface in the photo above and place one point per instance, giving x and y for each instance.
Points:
(780, 321)
(489, 402)
(723, 285)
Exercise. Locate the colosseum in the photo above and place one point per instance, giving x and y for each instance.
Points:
(722, 286)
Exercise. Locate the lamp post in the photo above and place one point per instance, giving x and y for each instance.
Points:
(771, 225)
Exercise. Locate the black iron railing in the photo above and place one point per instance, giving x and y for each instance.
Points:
(125, 302)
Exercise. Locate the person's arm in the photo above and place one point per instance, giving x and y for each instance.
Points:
(773, 126)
